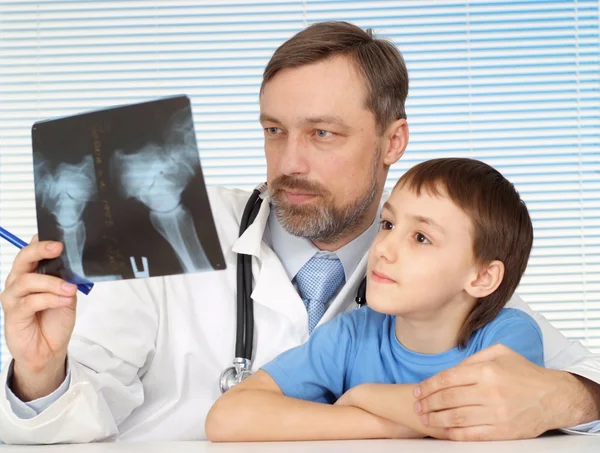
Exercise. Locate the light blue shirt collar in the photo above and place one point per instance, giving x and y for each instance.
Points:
(294, 252)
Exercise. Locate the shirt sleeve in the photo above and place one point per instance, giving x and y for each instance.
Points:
(316, 370)
(518, 331)
(34, 408)
(591, 428)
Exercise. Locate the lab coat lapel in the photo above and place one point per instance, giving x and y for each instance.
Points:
(274, 290)
(346, 298)
(272, 287)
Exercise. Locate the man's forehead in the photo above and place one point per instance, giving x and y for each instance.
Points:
(326, 118)
(315, 95)
(337, 77)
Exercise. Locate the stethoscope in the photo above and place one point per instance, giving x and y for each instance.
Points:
(242, 363)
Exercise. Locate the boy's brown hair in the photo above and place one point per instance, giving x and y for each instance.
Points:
(379, 61)
(502, 229)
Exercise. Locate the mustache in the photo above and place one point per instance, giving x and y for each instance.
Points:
(284, 182)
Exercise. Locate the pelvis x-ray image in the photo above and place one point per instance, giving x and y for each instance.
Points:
(66, 192)
(123, 189)
(157, 176)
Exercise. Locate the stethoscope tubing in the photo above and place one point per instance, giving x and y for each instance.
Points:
(244, 334)
(245, 308)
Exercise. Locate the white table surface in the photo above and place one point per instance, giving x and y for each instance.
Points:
(546, 444)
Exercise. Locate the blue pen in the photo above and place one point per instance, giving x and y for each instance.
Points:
(85, 286)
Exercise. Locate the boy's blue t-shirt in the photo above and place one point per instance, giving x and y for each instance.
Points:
(361, 347)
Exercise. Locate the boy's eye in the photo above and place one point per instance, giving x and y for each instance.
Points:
(386, 225)
(421, 239)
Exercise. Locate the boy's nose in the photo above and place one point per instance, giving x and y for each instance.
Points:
(386, 248)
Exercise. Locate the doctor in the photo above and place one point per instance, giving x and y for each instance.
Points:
(141, 359)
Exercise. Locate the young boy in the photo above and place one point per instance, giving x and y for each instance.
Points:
(454, 242)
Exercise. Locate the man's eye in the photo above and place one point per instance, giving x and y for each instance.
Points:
(323, 133)
(386, 225)
(421, 239)
(272, 130)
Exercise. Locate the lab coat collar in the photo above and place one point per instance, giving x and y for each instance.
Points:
(250, 242)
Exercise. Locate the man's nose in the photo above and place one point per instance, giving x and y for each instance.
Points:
(294, 160)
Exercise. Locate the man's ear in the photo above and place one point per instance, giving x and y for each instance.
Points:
(487, 280)
(397, 137)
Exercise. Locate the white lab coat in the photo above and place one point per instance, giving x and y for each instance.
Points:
(146, 355)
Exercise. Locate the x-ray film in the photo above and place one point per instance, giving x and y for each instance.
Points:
(122, 189)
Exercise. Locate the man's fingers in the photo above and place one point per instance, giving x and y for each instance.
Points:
(27, 259)
(36, 283)
(448, 399)
(473, 433)
(487, 355)
(38, 302)
(452, 377)
(28, 284)
(472, 370)
(460, 417)
(486, 432)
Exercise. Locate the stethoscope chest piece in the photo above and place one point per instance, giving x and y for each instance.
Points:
(235, 374)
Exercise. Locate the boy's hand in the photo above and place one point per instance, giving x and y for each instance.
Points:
(391, 429)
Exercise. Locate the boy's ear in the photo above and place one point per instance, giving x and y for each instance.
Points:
(487, 280)
(397, 135)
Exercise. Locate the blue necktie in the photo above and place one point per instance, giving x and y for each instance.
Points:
(317, 281)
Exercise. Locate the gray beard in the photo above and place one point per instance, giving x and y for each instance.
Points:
(327, 223)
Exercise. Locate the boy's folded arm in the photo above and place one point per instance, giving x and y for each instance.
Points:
(257, 410)
(394, 402)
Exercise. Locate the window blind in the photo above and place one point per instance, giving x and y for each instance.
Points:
(513, 83)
